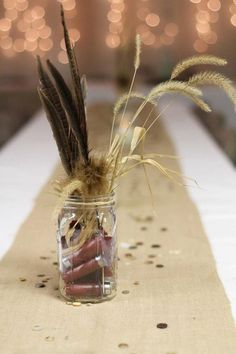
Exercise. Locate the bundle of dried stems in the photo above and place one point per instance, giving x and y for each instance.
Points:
(91, 174)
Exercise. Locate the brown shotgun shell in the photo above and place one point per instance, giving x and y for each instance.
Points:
(84, 269)
(89, 289)
(95, 247)
(108, 271)
(84, 290)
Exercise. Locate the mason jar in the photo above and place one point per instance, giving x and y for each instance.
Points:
(87, 248)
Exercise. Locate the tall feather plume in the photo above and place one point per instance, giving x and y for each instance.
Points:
(57, 119)
(68, 105)
(58, 130)
(77, 92)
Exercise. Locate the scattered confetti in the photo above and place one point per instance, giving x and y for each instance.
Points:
(125, 245)
(151, 256)
(162, 325)
(75, 303)
(128, 255)
(149, 262)
(37, 328)
(49, 339)
(123, 345)
(22, 279)
(148, 218)
(156, 245)
(40, 285)
(133, 247)
(174, 252)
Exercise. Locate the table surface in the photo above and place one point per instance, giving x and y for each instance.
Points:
(22, 177)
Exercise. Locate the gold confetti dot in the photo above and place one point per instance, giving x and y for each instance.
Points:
(162, 325)
(49, 339)
(149, 262)
(123, 345)
(22, 279)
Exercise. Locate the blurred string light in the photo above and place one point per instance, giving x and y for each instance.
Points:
(207, 14)
(153, 28)
(232, 10)
(23, 28)
(115, 21)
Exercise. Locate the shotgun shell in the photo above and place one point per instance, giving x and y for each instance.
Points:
(99, 245)
(88, 289)
(84, 290)
(84, 269)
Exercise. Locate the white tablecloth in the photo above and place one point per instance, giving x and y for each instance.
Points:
(28, 160)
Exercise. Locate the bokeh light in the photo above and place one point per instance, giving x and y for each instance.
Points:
(112, 40)
(152, 20)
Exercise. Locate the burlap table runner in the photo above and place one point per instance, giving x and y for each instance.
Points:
(167, 277)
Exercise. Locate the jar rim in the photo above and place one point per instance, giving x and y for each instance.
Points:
(91, 200)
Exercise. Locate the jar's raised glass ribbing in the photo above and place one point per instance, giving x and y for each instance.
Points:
(87, 249)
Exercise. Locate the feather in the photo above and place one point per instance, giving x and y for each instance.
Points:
(57, 129)
(69, 106)
(84, 88)
(77, 90)
(48, 90)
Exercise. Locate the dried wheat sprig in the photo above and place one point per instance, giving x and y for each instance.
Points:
(150, 156)
(186, 89)
(196, 60)
(174, 87)
(121, 101)
(151, 162)
(138, 52)
(214, 78)
(136, 66)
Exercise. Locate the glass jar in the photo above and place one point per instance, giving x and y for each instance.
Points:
(87, 249)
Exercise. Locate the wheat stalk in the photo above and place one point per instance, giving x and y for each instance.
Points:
(138, 52)
(196, 60)
(214, 78)
(136, 66)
